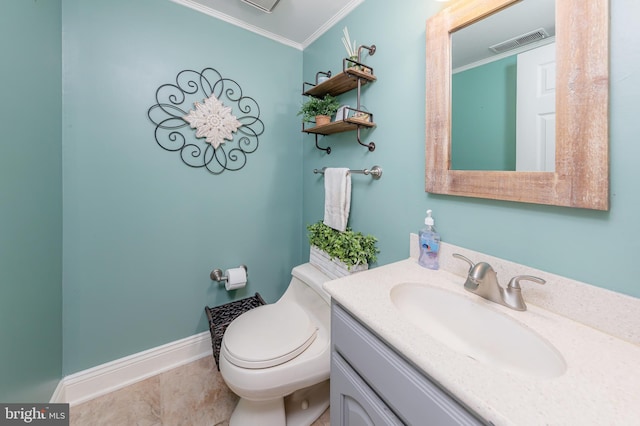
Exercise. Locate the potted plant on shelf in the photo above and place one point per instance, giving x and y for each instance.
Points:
(319, 110)
(340, 253)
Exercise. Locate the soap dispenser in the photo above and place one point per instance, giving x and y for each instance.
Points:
(429, 244)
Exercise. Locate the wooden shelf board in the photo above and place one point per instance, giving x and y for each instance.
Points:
(341, 83)
(339, 126)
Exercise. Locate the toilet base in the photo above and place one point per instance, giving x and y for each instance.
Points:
(301, 413)
(301, 408)
(267, 413)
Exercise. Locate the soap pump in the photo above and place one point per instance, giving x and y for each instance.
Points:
(429, 244)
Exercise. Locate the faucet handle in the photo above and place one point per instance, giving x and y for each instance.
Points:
(461, 257)
(515, 281)
(513, 294)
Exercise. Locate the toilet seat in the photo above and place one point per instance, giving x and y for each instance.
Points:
(268, 336)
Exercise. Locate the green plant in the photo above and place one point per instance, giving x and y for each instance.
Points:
(317, 106)
(352, 248)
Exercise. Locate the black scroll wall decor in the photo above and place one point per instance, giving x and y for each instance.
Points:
(207, 120)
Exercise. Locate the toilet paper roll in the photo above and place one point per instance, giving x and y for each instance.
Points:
(236, 278)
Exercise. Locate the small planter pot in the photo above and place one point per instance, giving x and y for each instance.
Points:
(322, 120)
(333, 268)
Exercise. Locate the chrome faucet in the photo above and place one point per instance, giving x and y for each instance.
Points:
(483, 281)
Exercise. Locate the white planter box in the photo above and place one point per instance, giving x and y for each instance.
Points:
(332, 268)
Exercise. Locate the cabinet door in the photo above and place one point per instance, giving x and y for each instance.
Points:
(353, 403)
(412, 396)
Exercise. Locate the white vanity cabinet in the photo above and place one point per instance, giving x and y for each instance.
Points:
(372, 385)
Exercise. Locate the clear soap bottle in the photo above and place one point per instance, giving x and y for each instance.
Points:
(429, 244)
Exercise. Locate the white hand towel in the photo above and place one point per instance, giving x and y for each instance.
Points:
(337, 197)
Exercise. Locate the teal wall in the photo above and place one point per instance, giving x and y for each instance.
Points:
(30, 200)
(142, 231)
(591, 246)
(483, 117)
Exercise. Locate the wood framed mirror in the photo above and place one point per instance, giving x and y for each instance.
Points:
(581, 175)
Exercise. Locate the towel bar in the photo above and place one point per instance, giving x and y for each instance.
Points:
(375, 171)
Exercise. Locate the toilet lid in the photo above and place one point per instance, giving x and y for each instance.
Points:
(268, 335)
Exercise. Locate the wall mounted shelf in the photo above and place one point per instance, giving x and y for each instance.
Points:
(354, 75)
(346, 125)
(341, 83)
(338, 127)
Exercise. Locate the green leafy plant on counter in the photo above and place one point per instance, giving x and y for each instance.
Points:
(352, 248)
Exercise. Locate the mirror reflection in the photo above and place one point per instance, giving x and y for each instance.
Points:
(503, 90)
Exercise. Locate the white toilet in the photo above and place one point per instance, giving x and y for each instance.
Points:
(276, 357)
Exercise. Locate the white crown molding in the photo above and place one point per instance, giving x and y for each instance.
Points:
(237, 22)
(102, 379)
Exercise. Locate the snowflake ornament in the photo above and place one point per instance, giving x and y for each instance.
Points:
(213, 120)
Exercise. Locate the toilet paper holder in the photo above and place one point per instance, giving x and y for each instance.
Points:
(218, 275)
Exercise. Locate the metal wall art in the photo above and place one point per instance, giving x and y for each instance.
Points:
(206, 101)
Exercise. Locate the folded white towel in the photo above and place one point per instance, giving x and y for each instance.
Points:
(337, 197)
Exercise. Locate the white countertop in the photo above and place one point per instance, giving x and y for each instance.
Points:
(601, 385)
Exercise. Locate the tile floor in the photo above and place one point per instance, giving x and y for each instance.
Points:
(191, 395)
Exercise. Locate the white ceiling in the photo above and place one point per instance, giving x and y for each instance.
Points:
(296, 23)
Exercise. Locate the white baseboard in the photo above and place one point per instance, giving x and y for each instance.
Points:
(102, 379)
(58, 393)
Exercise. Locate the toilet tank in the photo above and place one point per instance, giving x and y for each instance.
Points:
(312, 277)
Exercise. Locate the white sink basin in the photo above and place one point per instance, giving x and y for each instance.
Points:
(471, 328)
